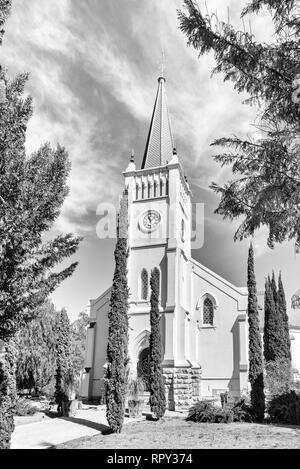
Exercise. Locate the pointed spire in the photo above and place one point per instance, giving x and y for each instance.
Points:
(159, 147)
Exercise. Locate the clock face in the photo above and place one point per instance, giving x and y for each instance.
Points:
(150, 220)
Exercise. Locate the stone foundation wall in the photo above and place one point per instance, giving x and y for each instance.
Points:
(183, 387)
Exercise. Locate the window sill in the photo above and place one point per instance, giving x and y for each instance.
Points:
(207, 327)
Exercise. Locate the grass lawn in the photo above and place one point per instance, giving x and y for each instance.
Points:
(175, 432)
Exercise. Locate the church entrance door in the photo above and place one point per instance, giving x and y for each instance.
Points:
(143, 367)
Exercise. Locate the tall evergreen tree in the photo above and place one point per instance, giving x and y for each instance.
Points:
(117, 349)
(276, 331)
(255, 347)
(282, 311)
(32, 191)
(63, 358)
(265, 189)
(157, 386)
(271, 323)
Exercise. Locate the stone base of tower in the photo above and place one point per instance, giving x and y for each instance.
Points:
(183, 387)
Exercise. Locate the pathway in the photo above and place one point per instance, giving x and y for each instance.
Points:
(41, 435)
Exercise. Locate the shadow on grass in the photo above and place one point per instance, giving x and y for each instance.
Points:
(104, 429)
(286, 425)
(52, 414)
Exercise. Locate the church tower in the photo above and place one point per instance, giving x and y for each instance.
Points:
(159, 237)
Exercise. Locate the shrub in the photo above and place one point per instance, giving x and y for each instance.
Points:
(206, 412)
(285, 408)
(136, 388)
(242, 411)
(202, 411)
(135, 393)
(24, 408)
(278, 377)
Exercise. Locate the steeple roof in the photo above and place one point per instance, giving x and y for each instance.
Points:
(159, 147)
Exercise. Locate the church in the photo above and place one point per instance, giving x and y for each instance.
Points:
(204, 325)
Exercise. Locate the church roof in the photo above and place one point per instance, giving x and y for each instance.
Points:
(160, 146)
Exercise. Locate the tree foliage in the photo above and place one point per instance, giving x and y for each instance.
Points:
(36, 357)
(277, 345)
(78, 343)
(5, 7)
(157, 386)
(7, 392)
(117, 348)
(64, 373)
(255, 347)
(282, 311)
(265, 189)
(32, 191)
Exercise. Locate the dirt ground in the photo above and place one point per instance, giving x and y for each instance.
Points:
(176, 433)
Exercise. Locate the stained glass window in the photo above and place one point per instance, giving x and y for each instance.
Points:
(208, 312)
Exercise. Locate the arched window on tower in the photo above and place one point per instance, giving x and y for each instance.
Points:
(208, 312)
(149, 190)
(143, 190)
(167, 187)
(161, 187)
(144, 285)
(156, 276)
(137, 192)
(155, 189)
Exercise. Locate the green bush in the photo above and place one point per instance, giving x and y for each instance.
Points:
(285, 408)
(202, 411)
(206, 412)
(278, 377)
(242, 411)
(24, 408)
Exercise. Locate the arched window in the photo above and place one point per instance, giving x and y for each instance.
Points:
(208, 312)
(155, 189)
(143, 191)
(156, 277)
(161, 187)
(137, 189)
(144, 285)
(149, 190)
(167, 187)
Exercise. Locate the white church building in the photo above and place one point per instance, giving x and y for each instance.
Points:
(204, 325)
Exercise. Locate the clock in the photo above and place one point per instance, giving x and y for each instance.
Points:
(150, 220)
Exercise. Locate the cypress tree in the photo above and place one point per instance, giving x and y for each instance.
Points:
(63, 358)
(276, 331)
(255, 346)
(271, 323)
(117, 349)
(157, 386)
(282, 312)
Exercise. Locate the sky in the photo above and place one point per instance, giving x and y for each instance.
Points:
(93, 77)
